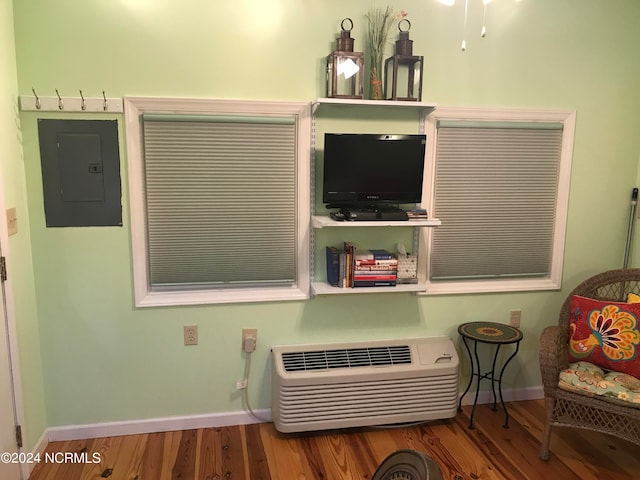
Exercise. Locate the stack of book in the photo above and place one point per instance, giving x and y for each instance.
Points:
(417, 214)
(350, 268)
(375, 268)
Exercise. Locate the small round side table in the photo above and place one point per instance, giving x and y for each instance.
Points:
(494, 334)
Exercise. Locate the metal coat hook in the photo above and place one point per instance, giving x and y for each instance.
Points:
(38, 104)
(60, 102)
(104, 102)
(83, 103)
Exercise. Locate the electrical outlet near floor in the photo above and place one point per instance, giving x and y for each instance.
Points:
(191, 335)
(514, 318)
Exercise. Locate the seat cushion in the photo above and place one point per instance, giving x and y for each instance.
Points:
(606, 334)
(588, 379)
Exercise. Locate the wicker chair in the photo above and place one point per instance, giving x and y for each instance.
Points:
(569, 409)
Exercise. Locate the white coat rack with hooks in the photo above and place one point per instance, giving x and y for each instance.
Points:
(64, 103)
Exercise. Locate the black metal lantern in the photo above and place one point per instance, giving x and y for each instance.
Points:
(344, 66)
(404, 68)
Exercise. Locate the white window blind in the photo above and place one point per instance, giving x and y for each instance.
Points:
(220, 200)
(495, 191)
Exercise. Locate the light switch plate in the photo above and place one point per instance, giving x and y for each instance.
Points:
(12, 221)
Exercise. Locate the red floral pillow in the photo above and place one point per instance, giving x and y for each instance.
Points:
(606, 334)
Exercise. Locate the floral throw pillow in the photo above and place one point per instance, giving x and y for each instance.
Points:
(606, 334)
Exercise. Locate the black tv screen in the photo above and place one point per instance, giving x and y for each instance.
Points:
(372, 169)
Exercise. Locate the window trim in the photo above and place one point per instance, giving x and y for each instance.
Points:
(134, 107)
(554, 280)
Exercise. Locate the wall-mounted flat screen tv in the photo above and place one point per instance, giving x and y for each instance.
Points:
(372, 169)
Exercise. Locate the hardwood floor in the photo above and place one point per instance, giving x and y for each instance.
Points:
(259, 452)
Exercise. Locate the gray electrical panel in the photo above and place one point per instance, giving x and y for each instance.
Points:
(80, 172)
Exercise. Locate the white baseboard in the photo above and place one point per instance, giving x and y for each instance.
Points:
(167, 424)
(151, 425)
(38, 449)
(510, 395)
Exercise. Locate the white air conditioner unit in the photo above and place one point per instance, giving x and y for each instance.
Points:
(318, 387)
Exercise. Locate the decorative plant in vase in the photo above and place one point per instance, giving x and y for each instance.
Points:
(380, 23)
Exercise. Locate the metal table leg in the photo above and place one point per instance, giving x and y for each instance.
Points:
(464, 340)
(493, 380)
(506, 413)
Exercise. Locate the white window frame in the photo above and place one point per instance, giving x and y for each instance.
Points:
(554, 280)
(144, 296)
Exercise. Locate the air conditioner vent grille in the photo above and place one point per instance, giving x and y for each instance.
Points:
(346, 358)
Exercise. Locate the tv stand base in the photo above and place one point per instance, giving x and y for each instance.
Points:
(355, 214)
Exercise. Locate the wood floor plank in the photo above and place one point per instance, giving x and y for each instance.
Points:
(170, 453)
(365, 459)
(185, 462)
(337, 462)
(129, 461)
(256, 456)
(245, 452)
(381, 443)
(233, 454)
(311, 458)
(282, 454)
(151, 464)
(209, 454)
(107, 448)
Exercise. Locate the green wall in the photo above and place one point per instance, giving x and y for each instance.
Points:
(105, 360)
(18, 251)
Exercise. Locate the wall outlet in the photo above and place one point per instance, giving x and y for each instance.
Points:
(249, 339)
(191, 335)
(514, 318)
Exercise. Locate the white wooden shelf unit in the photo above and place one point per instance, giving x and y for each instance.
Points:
(323, 288)
(321, 221)
(372, 103)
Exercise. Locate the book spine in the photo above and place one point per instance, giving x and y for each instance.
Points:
(374, 278)
(375, 272)
(374, 255)
(393, 261)
(350, 251)
(333, 266)
(376, 283)
(376, 268)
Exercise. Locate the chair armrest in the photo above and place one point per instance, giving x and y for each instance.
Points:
(552, 357)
